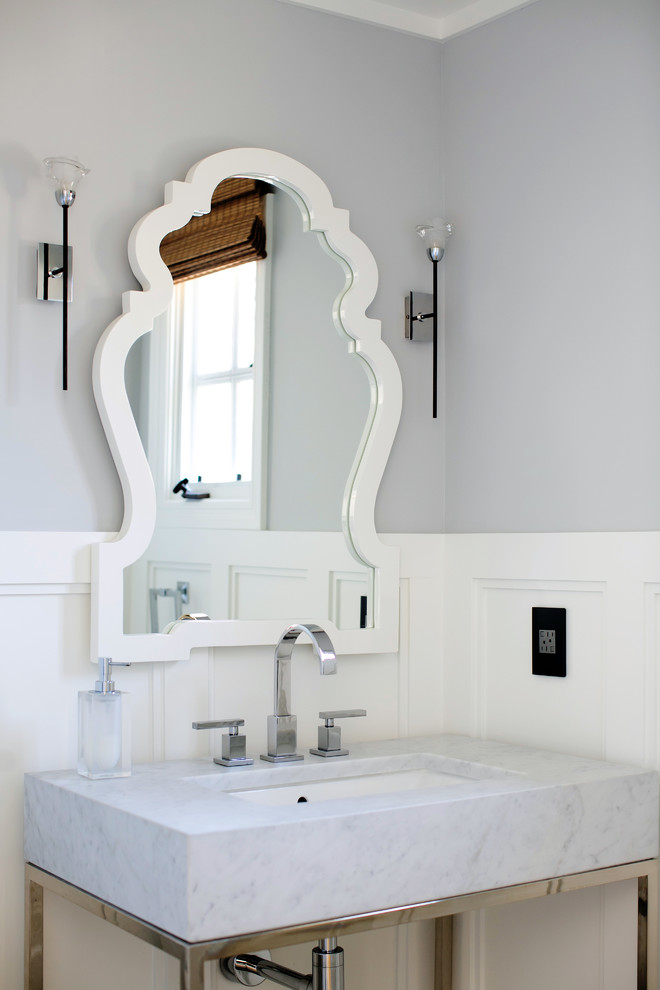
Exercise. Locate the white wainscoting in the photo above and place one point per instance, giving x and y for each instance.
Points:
(251, 575)
(606, 707)
(472, 593)
(44, 610)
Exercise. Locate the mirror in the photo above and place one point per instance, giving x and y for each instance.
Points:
(307, 415)
(308, 551)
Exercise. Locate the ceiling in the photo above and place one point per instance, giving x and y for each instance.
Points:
(437, 19)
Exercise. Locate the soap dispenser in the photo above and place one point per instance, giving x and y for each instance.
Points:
(104, 745)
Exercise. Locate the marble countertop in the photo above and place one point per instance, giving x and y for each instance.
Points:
(173, 846)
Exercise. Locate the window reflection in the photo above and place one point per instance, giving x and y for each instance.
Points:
(216, 329)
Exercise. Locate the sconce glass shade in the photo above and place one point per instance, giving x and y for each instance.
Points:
(66, 174)
(435, 234)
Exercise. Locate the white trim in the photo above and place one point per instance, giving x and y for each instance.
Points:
(44, 589)
(261, 383)
(52, 557)
(479, 12)
(164, 394)
(401, 16)
(182, 199)
(46, 557)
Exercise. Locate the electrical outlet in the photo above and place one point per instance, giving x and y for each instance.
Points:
(549, 642)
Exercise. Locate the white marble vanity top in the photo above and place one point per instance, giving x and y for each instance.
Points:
(171, 845)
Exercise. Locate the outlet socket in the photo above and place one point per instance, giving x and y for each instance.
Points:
(549, 642)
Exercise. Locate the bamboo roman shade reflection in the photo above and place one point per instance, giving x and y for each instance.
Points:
(232, 233)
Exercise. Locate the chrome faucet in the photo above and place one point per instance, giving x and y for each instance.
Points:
(282, 725)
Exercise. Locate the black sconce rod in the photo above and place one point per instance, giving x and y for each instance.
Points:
(65, 294)
(435, 338)
(435, 235)
(66, 173)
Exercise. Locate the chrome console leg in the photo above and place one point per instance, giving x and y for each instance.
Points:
(647, 931)
(34, 935)
(444, 939)
(191, 970)
(642, 931)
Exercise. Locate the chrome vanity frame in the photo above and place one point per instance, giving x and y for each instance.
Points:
(193, 955)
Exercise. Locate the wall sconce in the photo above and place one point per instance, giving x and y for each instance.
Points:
(55, 261)
(422, 307)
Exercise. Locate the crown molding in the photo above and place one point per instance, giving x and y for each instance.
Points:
(465, 14)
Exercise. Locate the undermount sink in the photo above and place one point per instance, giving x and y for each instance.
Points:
(361, 785)
(207, 852)
(337, 779)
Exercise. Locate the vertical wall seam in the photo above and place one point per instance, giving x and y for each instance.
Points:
(401, 955)
(605, 605)
(157, 707)
(476, 688)
(649, 676)
(601, 937)
(403, 705)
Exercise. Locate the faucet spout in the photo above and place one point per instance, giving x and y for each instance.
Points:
(323, 648)
(282, 725)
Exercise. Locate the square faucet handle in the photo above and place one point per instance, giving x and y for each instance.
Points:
(346, 713)
(233, 744)
(225, 723)
(330, 737)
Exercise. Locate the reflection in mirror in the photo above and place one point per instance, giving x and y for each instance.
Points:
(286, 546)
(252, 316)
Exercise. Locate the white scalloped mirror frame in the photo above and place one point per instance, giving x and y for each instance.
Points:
(140, 308)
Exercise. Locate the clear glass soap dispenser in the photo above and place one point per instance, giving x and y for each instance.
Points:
(104, 743)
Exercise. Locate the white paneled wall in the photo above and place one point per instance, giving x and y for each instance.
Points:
(464, 664)
(606, 707)
(45, 664)
(508, 703)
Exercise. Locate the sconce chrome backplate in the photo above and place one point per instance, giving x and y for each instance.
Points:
(419, 316)
(50, 272)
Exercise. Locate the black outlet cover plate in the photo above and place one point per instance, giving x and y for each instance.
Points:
(549, 664)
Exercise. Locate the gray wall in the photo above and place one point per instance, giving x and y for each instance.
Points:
(318, 393)
(139, 91)
(550, 151)
(551, 124)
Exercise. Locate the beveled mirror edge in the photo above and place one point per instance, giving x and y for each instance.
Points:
(139, 308)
